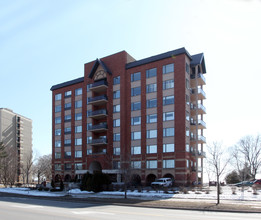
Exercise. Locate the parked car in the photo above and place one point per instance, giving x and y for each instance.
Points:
(165, 182)
(257, 182)
(244, 183)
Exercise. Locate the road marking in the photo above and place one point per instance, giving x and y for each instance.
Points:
(27, 206)
(91, 212)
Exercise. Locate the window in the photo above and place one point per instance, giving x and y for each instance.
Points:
(152, 103)
(78, 116)
(152, 118)
(151, 149)
(57, 167)
(89, 126)
(135, 76)
(136, 120)
(187, 163)
(135, 91)
(116, 123)
(168, 163)
(136, 164)
(187, 115)
(168, 116)
(67, 166)
(135, 150)
(89, 151)
(57, 143)
(116, 80)
(89, 140)
(67, 118)
(116, 108)
(116, 94)
(88, 113)
(67, 154)
(187, 99)
(78, 154)
(68, 94)
(135, 106)
(58, 97)
(58, 108)
(136, 135)
(151, 88)
(78, 129)
(151, 164)
(78, 141)
(187, 147)
(151, 72)
(78, 104)
(187, 68)
(151, 133)
(116, 137)
(57, 132)
(78, 166)
(67, 106)
(168, 84)
(168, 68)
(116, 165)
(57, 120)
(168, 132)
(78, 91)
(187, 84)
(67, 142)
(168, 100)
(116, 150)
(167, 148)
(187, 131)
(67, 130)
(57, 155)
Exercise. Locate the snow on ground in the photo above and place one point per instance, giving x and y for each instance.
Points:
(146, 195)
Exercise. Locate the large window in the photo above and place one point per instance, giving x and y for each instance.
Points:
(67, 142)
(168, 68)
(136, 164)
(57, 155)
(136, 120)
(168, 132)
(135, 91)
(78, 166)
(116, 80)
(116, 137)
(151, 133)
(57, 120)
(151, 103)
(67, 154)
(135, 150)
(58, 108)
(151, 149)
(78, 154)
(116, 94)
(78, 91)
(168, 100)
(67, 106)
(67, 166)
(116, 108)
(135, 106)
(58, 97)
(167, 148)
(116, 164)
(135, 76)
(67, 130)
(151, 164)
(57, 143)
(116, 122)
(136, 135)
(168, 116)
(151, 88)
(78, 141)
(78, 116)
(116, 150)
(168, 84)
(57, 167)
(152, 118)
(78, 129)
(68, 94)
(57, 132)
(151, 72)
(78, 104)
(67, 118)
(168, 163)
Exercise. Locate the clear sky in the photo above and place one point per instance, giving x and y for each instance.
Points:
(43, 43)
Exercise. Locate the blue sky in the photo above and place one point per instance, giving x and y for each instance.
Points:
(43, 43)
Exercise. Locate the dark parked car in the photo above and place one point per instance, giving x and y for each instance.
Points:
(244, 183)
(257, 182)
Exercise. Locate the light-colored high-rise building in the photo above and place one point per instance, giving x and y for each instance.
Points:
(16, 135)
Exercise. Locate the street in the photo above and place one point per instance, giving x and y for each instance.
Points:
(41, 209)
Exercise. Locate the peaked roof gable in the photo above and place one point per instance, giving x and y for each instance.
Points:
(95, 66)
(198, 59)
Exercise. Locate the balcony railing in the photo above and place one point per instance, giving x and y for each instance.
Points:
(201, 94)
(201, 124)
(201, 78)
(98, 127)
(98, 141)
(98, 113)
(98, 100)
(201, 139)
(99, 85)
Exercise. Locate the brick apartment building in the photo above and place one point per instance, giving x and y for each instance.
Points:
(143, 117)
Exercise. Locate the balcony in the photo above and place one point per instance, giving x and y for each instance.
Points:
(201, 124)
(200, 154)
(197, 92)
(98, 141)
(101, 113)
(98, 100)
(99, 86)
(200, 80)
(200, 140)
(99, 127)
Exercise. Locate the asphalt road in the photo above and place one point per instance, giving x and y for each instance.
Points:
(41, 209)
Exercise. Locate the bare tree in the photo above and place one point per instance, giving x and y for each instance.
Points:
(26, 166)
(43, 168)
(248, 153)
(217, 162)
